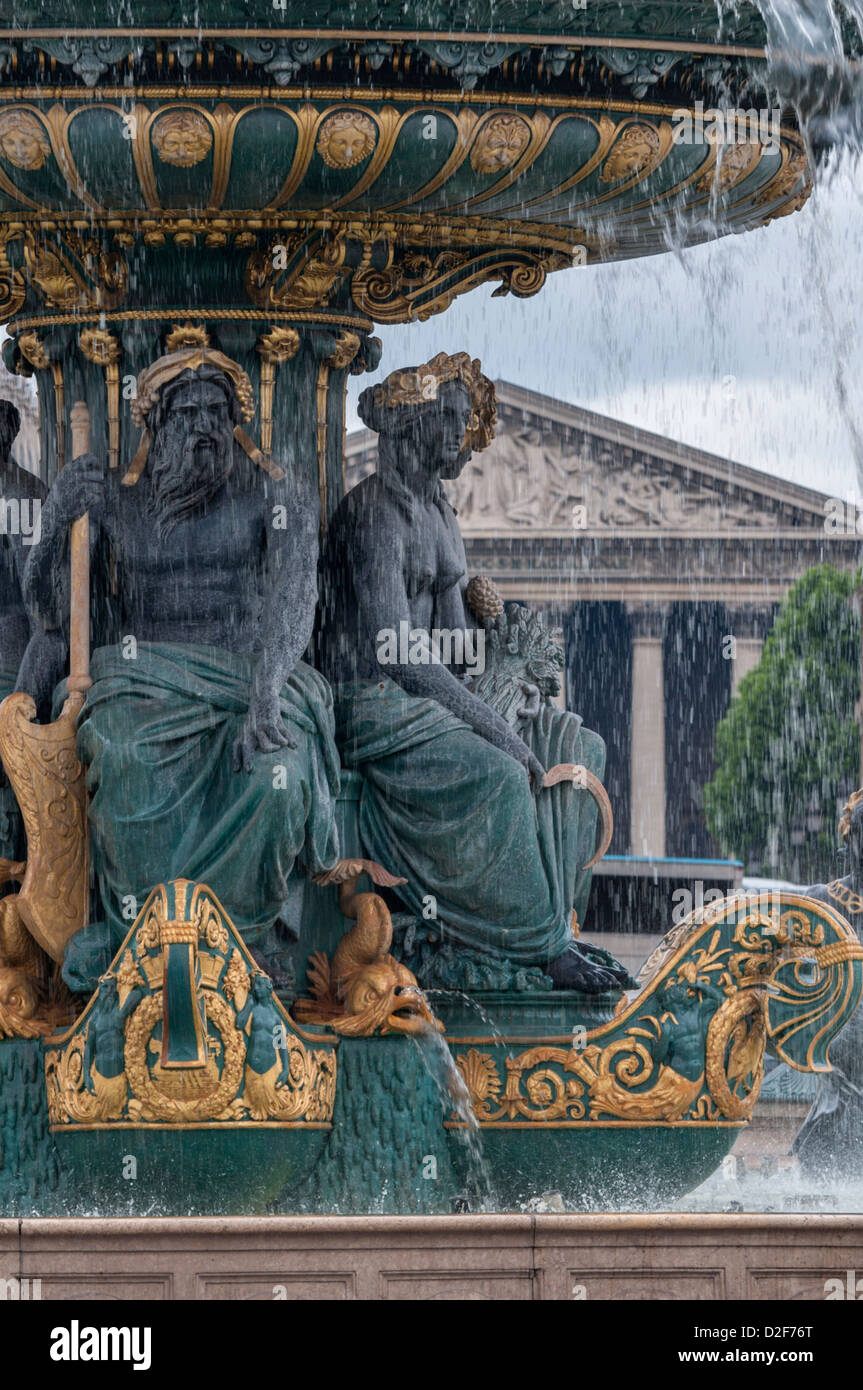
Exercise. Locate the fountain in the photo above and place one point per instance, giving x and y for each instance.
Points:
(231, 205)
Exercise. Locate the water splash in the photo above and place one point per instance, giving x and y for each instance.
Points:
(814, 62)
(456, 1105)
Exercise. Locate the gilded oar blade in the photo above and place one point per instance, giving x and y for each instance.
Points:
(47, 777)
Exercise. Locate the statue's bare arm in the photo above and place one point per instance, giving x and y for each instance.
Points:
(378, 565)
(287, 617)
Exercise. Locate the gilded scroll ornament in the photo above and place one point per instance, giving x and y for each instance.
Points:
(794, 174)
(346, 138)
(500, 143)
(134, 1059)
(734, 1053)
(23, 140)
(290, 274)
(689, 1048)
(48, 780)
(89, 1098)
(182, 138)
(670, 1098)
(74, 273)
(13, 289)
(107, 270)
(531, 1089)
(420, 282)
(62, 289)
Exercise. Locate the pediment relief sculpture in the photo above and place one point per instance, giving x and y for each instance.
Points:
(535, 478)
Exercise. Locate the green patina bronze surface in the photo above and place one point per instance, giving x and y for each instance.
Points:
(417, 757)
(32, 1181)
(275, 184)
(396, 164)
(204, 1075)
(388, 1151)
(156, 736)
(693, 20)
(633, 1108)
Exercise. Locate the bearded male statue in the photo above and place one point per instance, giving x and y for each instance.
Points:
(208, 743)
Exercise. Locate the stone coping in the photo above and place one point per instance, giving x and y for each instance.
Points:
(736, 1225)
(591, 1256)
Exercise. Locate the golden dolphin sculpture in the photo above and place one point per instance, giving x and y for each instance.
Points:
(364, 990)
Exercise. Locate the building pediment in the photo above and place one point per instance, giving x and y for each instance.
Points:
(554, 469)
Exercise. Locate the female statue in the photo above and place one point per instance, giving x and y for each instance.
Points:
(453, 797)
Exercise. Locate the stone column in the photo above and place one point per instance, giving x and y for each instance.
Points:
(647, 783)
(747, 653)
(747, 626)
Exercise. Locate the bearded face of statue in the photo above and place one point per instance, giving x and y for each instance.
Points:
(193, 446)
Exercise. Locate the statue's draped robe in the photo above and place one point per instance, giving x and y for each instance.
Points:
(830, 1140)
(11, 829)
(156, 735)
(456, 817)
(12, 841)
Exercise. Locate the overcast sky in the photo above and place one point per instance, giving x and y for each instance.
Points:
(743, 347)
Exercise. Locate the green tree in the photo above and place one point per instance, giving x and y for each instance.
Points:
(788, 749)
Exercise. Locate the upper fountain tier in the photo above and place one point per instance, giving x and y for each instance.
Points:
(401, 153)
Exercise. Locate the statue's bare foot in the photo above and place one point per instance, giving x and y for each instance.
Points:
(574, 970)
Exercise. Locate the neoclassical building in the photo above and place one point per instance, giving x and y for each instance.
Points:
(664, 566)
